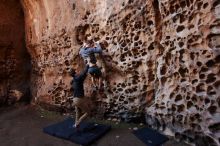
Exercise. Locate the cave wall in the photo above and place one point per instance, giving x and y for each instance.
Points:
(162, 58)
(14, 59)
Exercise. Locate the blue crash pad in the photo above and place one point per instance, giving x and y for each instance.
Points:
(85, 135)
(150, 137)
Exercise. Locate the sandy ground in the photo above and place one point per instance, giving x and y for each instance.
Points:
(22, 126)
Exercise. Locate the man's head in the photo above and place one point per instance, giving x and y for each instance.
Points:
(74, 71)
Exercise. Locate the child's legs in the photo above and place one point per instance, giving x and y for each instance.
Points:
(93, 80)
(100, 82)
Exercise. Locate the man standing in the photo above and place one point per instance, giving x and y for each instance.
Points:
(79, 100)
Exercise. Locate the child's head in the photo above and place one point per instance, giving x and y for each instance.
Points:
(89, 43)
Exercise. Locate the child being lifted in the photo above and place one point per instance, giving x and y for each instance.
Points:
(87, 52)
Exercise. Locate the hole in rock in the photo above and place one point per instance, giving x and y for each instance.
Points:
(189, 104)
(180, 28)
(210, 78)
(181, 108)
(210, 63)
(217, 59)
(178, 98)
(217, 2)
(183, 71)
(200, 87)
(212, 109)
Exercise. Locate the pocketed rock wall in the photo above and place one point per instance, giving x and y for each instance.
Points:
(162, 58)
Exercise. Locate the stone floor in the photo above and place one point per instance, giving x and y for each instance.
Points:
(22, 126)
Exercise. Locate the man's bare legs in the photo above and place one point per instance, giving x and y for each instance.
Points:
(85, 106)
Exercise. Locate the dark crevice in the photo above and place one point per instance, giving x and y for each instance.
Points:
(15, 60)
(157, 20)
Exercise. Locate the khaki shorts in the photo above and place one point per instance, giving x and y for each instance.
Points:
(83, 104)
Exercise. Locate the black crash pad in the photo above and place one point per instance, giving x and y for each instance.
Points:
(150, 137)
(85, 135)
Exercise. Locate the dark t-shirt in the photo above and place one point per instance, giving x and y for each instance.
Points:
(78, 81)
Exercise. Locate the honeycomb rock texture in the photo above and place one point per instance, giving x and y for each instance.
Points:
(162, 58)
